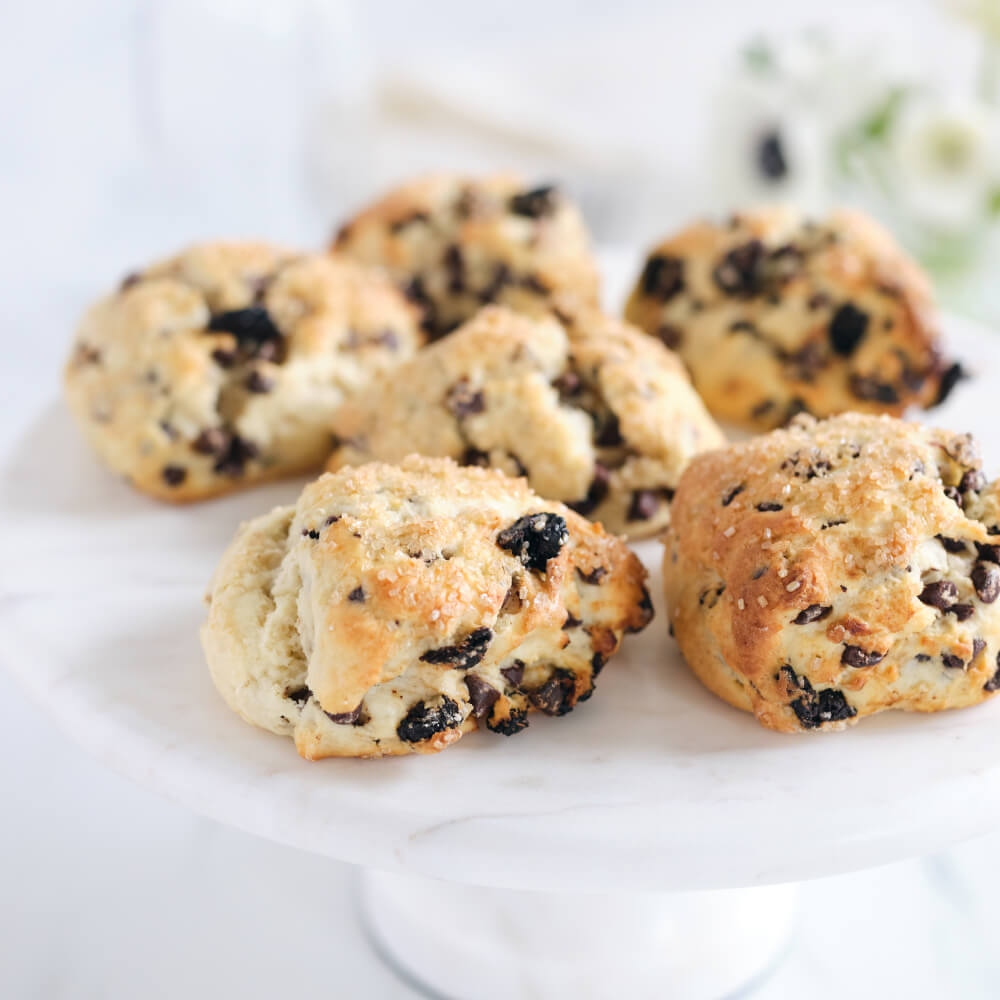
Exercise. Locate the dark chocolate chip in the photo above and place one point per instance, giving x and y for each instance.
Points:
(424, 721)
(299, 695)
(739, 271)
(732, 494)
(770, 157)
(769, 505)
(465, 654)
(855, 656)
(250, 327)
(597, 662)
(310, 533)
(513, 674)
(813, 708)
(454, 266)
(818, 300)
(814, 613)
(232, 462)
(536, 203)
(987, 552)
(646, 612)
(535, 539)
(848, 325)
(351, 718)
(986, 580)
(994, 682)
(594, 577)
(462, 400)
(950, 377)
(482, 696)
(571, 621)
(516, 720)
(671, 336)
(963, 612)
(972, 481)
(952, 494)
(567, 384)
(868, 388)
(174, 475)
(596, 494)
(644, 505)
(130, 280)
(952, 662)
(557, 695)
(473, 456)
(663, 277)
(502, 277)
(357, 595)
(940, 594)
(978, 645)
(608, 433)
(512, 601)
(953, 544)
(259, 382)
(224, 358)
(212, 441)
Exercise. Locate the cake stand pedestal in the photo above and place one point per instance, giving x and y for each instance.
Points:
(640, 846)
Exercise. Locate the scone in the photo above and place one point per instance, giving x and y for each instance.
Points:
(394, 608)
(456, 242)
(222, 367)
(836, 569)
(776, 315)
(592, 412)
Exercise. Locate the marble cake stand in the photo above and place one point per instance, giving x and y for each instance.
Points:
(644, 846)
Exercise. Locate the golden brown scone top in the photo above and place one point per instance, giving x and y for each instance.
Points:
(838, 568)
(457, 242)
(396, 607)
(594, 413)
(775, 314)
(221, 366)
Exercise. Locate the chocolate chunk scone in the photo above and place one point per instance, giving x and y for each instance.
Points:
(836, 569)
(456, 243)
(222, 366)
(394, 608)
(591, 411)
(775, 315)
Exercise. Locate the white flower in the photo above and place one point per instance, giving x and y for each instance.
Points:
(944, 160)
(982, 14)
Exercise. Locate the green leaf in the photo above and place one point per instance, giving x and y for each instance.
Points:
(877, 125)
(759, 57)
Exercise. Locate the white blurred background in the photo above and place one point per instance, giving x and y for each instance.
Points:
(130, 129)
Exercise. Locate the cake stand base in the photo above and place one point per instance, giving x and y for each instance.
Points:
(460, 942)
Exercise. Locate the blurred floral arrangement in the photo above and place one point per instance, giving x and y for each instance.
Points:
(817, 122)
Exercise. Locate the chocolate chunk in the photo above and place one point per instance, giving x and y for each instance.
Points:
(814, 613)
(352, 718)
(224, 358)
(940, 594)
(594, 577)
(259, 382)
(597, 492)
(536, 203)
(571, 621)
(483, 696)
(250, 327)
(644, 505)
(299, 695)
(512, 601)
(818, 300)
(987, 552)
(769, 505)
(597, 662)
(770, 157)
(357, 595)
(952, 662)
(646, 611)
(955, 545)
(952, 494)
(986, 580)
(739, 271)
(848, 325)
(514, 722)
(465, 654)
(473, 456)
(855, 656)
(972, 481)
(950, 377)
(663, 277)
(129, 281)
(423, 721)
(994, 682)
(866, 387)
(513, 674)
(174, 475)
(557, 695)
(671, 336)
(567, 384)
(454, 266)
(608, 433)
(535, 539)
(978, 645)
(813, 708)
(462, 400)
(501, 278)
(963, 612)
(232, 462)
(310, 533)
(922, 657)
(732, 494)
(212, 441)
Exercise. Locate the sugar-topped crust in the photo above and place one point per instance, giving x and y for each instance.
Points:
(394, 608)
(222, 366)
(457, 242)
(836, 569)
(775, 314)
(590, 410)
